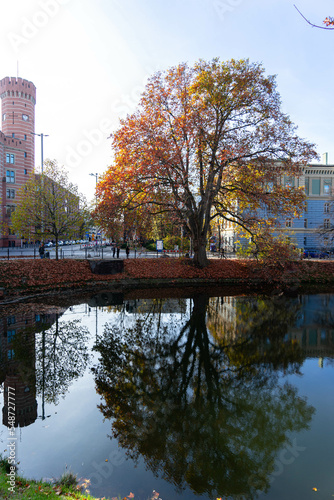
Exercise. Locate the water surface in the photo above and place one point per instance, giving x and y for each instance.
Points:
(193, 397)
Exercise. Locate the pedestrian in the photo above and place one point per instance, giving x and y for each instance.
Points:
(222, 253)
(127, 251)
(41, 250)
(113, 249)
(117, 251)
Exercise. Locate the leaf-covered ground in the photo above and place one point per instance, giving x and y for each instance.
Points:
(17, 276)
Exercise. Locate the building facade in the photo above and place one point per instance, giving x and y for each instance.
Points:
(17, 148)
(307, 231)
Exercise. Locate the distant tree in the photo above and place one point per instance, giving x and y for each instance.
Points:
(50, 207)
(207, 141)
(60, 356)
(328, 22)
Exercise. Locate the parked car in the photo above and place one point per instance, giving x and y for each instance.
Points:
(316, 254)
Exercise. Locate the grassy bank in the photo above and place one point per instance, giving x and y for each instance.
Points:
(15, 487)
(19, 277)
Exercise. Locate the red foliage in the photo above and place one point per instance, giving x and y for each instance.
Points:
(329, 21)
(182, 269)
(17, 276)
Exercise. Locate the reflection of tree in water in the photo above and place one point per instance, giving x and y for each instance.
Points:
(60, 355)
(206, 411)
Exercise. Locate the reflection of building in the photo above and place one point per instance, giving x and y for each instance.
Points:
(313, 329)
(18, 377)
(221, 315)
(17, 363)
(17, 147)
(315, 326)
(159, 306)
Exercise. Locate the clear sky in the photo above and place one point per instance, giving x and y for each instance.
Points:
(90, 59)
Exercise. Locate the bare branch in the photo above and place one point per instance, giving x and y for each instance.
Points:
(311, 24)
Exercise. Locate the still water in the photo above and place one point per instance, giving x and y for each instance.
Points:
(192, 397)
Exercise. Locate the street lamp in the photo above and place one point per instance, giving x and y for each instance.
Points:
(42, 164)
(96, 177)
(41, 136)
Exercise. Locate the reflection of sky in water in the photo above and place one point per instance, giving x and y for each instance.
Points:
(314, 457)
(75, 435)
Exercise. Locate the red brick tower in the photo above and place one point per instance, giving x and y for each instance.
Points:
(17, 146)
(18, 114)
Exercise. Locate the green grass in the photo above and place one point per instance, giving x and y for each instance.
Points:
(65, 487)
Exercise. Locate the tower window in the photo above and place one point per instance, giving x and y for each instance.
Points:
(10, 354)
(326, 223)
(10, 176)
(10, 158)
(9, 210)
(10, 193)
(10, 335)
(4, 116)
(326, 208)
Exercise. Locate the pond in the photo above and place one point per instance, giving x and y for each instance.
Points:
(186, 396)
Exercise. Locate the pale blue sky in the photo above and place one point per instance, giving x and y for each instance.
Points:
(89, 60)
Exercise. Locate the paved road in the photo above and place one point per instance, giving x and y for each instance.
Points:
(76, 251)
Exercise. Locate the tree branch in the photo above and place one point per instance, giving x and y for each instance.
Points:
(311, 24)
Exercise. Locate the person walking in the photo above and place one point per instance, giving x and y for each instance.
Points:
(113, 249)
(127, 251)
(41, 250)
(117, 251)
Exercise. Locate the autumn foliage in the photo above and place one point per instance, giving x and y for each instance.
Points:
(21, 276)
(207, 141)
(329, 21)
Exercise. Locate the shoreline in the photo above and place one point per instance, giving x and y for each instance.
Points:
(28, 279)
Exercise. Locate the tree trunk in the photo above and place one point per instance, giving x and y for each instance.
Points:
(200, 258)
(57, 247)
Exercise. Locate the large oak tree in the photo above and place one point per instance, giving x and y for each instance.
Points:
(206, 141)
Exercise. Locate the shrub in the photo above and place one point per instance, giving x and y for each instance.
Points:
(170, 242)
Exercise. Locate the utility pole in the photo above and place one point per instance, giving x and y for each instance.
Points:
(42, 168)
(42, 158)
(96, 178)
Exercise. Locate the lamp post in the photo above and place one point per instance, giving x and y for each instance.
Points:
(41, 136)
(96, 177)
(42, 165)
